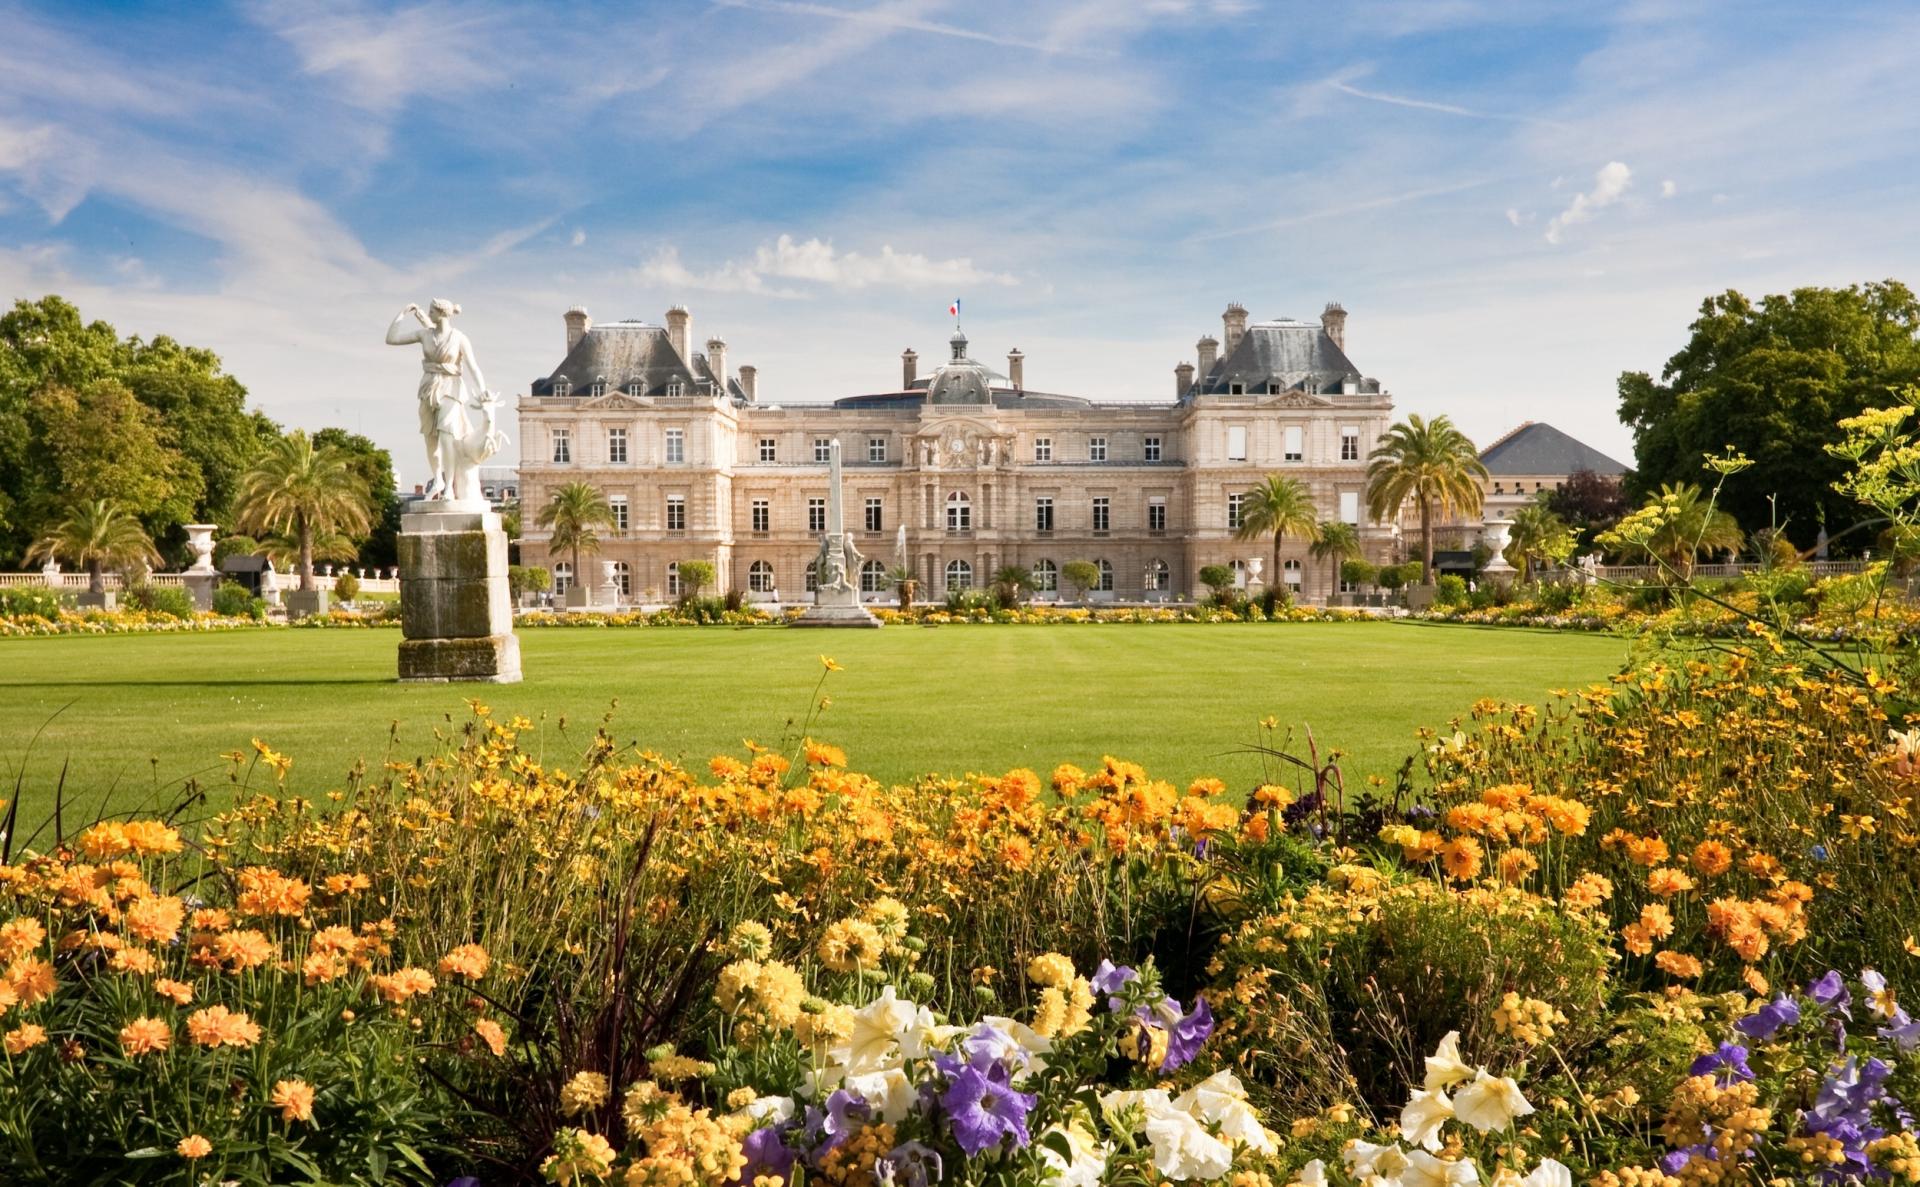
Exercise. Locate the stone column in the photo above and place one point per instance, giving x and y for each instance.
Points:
(455, 612)
(201, 579)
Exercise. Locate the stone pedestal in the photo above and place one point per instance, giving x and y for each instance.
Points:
(577, 597)
(302, 602)
(200, 587)
(455, 613)
(104, 600)
(827, 615)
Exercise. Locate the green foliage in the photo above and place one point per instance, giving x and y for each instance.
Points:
(1336, 543)
(1010, 584)
(695, 575)
(170, 600)
(526, 579)
(1673, 528)
(1392, 576)
(1430, 462)
(1771, 379)
(1451, 589)
(98, 536)
(1081, 576)
(1588, 504)
(572, 518)
(1278, 507)
(374, 465)
(346, 587)
(310, 493)
(1538, 537)
(1218, 578)
(27, 602)
(1359, 572)
(231, 600)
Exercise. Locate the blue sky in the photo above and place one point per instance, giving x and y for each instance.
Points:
(1514, 200)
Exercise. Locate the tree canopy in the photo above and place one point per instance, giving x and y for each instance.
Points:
(1772, 378)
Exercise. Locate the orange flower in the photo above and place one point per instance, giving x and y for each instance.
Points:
(1657, 920)
(819, 754)
(1516, 864)
(1678, 964)
(320, 968)
(1461, 858)
(294, 1099)
(151, 838)
(178, 992)
(20, 936)
(1588, 891)
(217, 1026)
(1668, 881)
(137, 961)
(104, 840)
(491, 1034)
(265, 891)
(32, 980)
(193, 1146)
(24, 1038)
(347, 883)
(155, 920)
(404, 983)
(468, 960)
(1712, 858)
(143, 1036)
(242, 950)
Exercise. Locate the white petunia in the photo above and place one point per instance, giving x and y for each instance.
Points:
(1221, 1102)
(1490, 1102)
(1089, 1161)
(1548, 1174)
(1445, 1068)
(1425, 1113)
(881, 1031)
(771, 1110)
(1424, 1170)
(1142, 1104)
(888, 1090)
(1183, 1149)
(1365, 1160)
(1314, 1174)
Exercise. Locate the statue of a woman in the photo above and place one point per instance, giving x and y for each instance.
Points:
(446, 356)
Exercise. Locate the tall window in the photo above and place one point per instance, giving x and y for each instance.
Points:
(1096, 449)
(1236, 443)
(876, 517)
(762, 516)
(623, 578)
(562, 577)
(1349, 443)
(1150, 449)
(617, 446)
(562, 445)
(1043, 515)
(1157, 513)
(876, 449)
(676, 513)
(812, 580)
(760, 577)
(1233, 511)
(618, 504)
(767, 451)
(1159, 577)
(673, 579)
(1105, 584)
(959, 575)
(873, 577)
(1102, 513)
(1043, 449)
(1296, 449)
(1349, 506)
(1046, 576)
(1291, 573)
(676, 446)
(959, 512)
(816, 515)
(823, 450)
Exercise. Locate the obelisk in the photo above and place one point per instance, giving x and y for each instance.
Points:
(836, 586)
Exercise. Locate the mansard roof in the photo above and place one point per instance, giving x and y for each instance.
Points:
(1000, 397)
(1536, 448)
(1284, 352)
(622, 353)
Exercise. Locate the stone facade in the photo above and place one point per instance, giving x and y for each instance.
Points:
(981, 471)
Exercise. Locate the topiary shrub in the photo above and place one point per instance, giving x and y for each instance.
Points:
(232, 600)
(1451, 590)
(346, 587)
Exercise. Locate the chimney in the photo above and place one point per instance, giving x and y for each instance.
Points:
(1234, 324)
(1182, 379)
(717, 363)
(909, 368)
(750, 381)
(1016, 371)
(1208, 349)
(680, 333)
(1333, 319)
(578, 323)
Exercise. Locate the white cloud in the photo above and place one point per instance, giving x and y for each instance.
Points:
(1514, 217)
(1608, 185)
(818, 262)
(381, 58)
(579, 237)
(1668, 189)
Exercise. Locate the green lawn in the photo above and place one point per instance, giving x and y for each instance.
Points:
(130, 717)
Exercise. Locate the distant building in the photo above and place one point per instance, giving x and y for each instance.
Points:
(1533, 458)
(981, 470)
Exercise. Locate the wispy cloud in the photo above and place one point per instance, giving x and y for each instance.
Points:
(1609, 184)
(888, 19)
(384, 56)
(1347, 88)
(1343, 209)
(817, 262)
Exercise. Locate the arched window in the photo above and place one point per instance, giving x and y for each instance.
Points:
(760, 577)
(813, 576)
(1159, 577)
(673, 579)
(959, 512)
(873, 577)
(1105, 584)
(959, 575)
(1291, 573)
(623, 578)
(562, 577)
(1046, 577)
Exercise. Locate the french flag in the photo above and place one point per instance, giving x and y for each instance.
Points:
(953, 310)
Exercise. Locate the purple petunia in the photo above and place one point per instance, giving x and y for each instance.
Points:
(767, 1154)
(983, 1110)
(1830, 993)
(1108, 979)
(910, 1164)
(1185, 1037)
(1770, 1019)
(1728, 1065)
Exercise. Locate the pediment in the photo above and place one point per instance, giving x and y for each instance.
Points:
(1296, 399)
(616, 402)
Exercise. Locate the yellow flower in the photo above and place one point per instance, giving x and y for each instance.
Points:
(1051, 969)
(491, 1034)
(193, 1146)
(468, 960)
(20, 936)
(144, 1036)
(24, 1038)
(850, 944)
(294, 1099)
(32, 980)
(587, 1090)
(402, 984)
(578, 1157)
(828, 663)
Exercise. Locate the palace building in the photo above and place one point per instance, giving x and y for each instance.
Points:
(953, 473)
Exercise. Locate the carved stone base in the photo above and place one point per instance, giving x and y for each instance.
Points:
(856, 615)
(105, 600)
(455, 613)
(200, 587)
(494, 659)
(302, 602)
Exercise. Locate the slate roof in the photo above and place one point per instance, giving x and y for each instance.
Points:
(1291, 353)
(1002, 397)
(1536, 448)
(623, 352)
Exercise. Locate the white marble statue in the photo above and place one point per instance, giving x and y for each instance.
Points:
(451, 387)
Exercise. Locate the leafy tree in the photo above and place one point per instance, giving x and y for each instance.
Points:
(1538, 536)
(1009, 583)
(96, 535)
(571, 517)
(1674, 527)
(1217, 578)
(526, 579)
(1588, 503)
(1337, 543)
(1772, 379)
(1359, 572)
(1431, 462)
(374, 465)
(99, 442)
(1081, 575)
(311, 494)
(694, 575)
(1279, 507)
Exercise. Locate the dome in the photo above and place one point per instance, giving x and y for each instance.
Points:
(960, 383)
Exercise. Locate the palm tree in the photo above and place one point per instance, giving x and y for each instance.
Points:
(96, 535)
(1278, 507)
(305, 494)
(576, 509)
(1009, 582)
(1537, 535)
(1429, 461)
(1337, 543)
(1689, 525)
